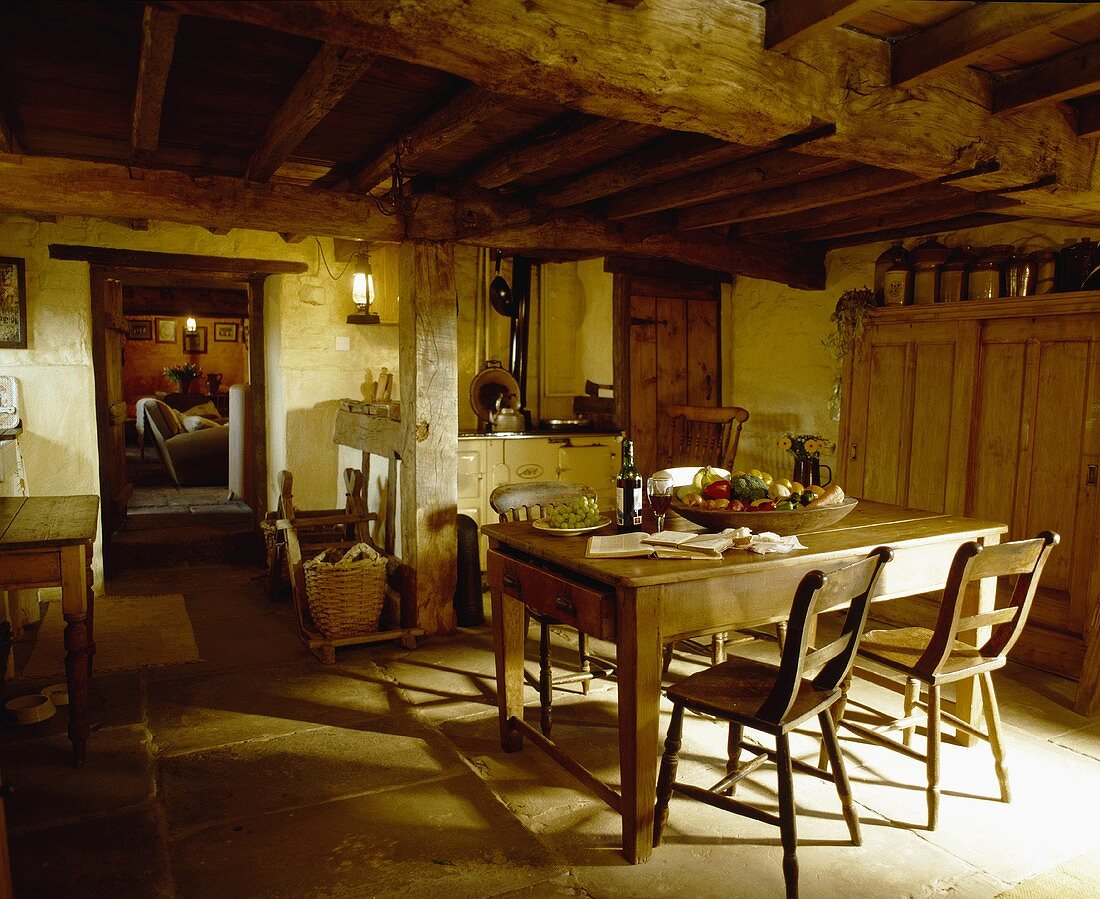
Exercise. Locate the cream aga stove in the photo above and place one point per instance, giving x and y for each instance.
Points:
(486, 461)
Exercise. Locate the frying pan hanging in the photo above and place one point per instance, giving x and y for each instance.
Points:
(500, 294)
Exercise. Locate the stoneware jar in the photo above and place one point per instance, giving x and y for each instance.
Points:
(954, 275)
(927, 260)
(895, 253)
(897, 284)
(1045, 269)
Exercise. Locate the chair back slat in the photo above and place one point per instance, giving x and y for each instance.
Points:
(815, 658)
(704, 435)
(853, 585)
(536, 499)
(1022, 559)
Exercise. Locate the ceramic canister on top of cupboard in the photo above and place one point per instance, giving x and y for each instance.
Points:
(927, 260)
(955, 274)
(896, 284)
(892, 254)
(985, 281)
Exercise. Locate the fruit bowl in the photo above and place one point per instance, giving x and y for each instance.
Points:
(783, 522)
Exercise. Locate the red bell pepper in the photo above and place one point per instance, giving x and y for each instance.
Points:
(717, 490)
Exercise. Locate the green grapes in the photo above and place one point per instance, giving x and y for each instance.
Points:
(578, 512)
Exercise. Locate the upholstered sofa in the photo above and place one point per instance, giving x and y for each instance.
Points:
(198, 458)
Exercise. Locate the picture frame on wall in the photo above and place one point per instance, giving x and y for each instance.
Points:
(225, 332)
(140, 329)
(13, 304)
(195, 341)
(166, 330)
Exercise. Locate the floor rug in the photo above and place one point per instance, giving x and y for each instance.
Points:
(130, 632)
(1077, 879)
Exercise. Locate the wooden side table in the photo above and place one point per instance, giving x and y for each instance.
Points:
(46, 541)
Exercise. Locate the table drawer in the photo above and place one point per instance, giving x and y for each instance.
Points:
(31, 568)
(547, 593)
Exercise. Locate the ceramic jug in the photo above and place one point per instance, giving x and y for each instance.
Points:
(808, 472)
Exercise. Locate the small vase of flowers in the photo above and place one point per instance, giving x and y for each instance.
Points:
(806, 449)
(183, 375)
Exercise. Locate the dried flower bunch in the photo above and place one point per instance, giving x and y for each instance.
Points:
(188, 371)
(803, 446)
(850, 317)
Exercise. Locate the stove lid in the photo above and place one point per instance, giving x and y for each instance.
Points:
(489, 385)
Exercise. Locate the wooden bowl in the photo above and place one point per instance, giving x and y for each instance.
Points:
(783, 522)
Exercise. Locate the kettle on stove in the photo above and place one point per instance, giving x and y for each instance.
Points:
(506, 416)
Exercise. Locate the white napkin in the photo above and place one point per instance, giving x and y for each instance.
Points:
(767, 542)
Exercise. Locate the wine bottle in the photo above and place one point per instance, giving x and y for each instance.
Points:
(628, 493)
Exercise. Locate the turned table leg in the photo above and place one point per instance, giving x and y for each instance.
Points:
(74, 607)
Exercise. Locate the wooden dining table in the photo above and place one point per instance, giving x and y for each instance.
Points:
(46, 541)
(641, 605)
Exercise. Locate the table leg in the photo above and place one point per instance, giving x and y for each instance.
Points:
(981, 597)
(90, 615)
(639, 675)
(74, 593)
(508, 639)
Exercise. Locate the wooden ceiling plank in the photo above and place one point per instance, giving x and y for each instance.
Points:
(661, 159)
(967, 204)
(158, 43)
(751, 175)
(788, 22)
(537, 152)
(974, 220)
(857, 184)
(979, 31)
(330, 75)
(463, 114)
(1071, 75)
(1088, 116)
(106, 190)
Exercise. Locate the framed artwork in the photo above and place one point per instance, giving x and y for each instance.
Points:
(13, 304)
(166, 330)
(195, 341)
(141, 329)
(225, 332)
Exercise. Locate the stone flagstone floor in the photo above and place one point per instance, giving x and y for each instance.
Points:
(259, 772)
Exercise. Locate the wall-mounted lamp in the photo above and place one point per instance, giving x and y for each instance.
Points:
(362, 285)
(190, 326)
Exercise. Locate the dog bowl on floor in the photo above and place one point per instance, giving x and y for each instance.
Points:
(58, 694)
(30, 709)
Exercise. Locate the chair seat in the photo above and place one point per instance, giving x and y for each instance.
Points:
(900, 648)
(736, 689)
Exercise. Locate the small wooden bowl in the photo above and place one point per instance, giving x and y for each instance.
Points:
(784, 522)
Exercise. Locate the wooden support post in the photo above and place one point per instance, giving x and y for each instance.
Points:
(257, 377)
(429, 383)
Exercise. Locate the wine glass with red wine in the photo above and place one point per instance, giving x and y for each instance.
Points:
(659, 489)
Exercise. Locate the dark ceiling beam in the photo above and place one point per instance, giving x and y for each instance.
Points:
(788, 22)
(844, 210)
(144, 260)
(1065, 77)
(9, 142)
(536, 152)
(968, 204)
(1088, 116)
(158, 43)
(659, 160)
(465, 113)
(752, 175)
(857, 184)
(975, 220)
(330, 75)
(979, 31)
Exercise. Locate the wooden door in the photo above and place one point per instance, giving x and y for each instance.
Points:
(109, 344)
(908, 408)
(1034, 459)
(673, 347)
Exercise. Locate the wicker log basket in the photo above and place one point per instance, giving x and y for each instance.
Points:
(345, 591)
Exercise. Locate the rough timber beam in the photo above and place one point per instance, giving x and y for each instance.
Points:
(330, 75)
(791, 21)
(979, 31)
(1088, 117)
(697, 65)
(536, 153)
(1064, 77)
(158, 43)
(857, 184)
(41, 184)
(465, 113)
(661, 159)
(9, 143)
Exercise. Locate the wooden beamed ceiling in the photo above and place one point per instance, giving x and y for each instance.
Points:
(821, 141)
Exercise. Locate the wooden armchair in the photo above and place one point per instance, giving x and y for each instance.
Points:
(932, 658)
(776, 700)
(527, 502)
(705, 435)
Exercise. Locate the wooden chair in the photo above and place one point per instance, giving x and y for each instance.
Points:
(932, 658)
(527, 502)
(705, 435)
(776, 700)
